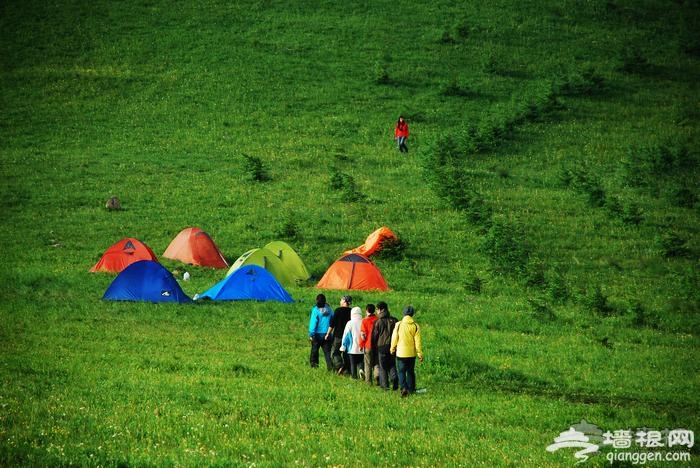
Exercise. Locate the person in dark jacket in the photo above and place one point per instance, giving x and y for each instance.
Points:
(320, 332)
(381, 343)
(341, 316)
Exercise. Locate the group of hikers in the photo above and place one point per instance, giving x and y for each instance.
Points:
(376, 348)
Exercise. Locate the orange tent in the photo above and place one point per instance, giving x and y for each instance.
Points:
(373, 243)
(194, 246)
(122, 254)
(353, 271)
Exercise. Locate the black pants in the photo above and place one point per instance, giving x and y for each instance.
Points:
(387, 369)
(319, 342)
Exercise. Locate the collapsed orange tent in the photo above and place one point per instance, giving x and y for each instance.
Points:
(353, 271)
(122, 254)
(195, 247)
(374, 241)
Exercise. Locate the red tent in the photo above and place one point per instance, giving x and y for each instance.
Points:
(122, 254)
(374, 241)
(194, 246)
(353, 271)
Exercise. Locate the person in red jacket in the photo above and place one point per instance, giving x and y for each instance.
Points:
(401, 134)
(366, 329)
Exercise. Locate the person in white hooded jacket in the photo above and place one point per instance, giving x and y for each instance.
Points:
(351, 342)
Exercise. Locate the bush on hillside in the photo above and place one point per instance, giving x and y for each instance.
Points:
(253, 166)
(645, 165)
(392, 248)
(632, 60)
(345, 185)
(673, 245)
(507, 247)
(597, 302)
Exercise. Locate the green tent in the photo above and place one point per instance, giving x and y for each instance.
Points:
(269, 261)
(290, 259)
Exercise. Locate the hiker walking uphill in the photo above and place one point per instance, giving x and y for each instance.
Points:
(351, 343)
(366, 342)
(401, 134)
(320, 332)
(406, 344)
(341, 316)
(381, 343)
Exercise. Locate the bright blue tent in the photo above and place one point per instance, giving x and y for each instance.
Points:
(249, 282)
(146, 281)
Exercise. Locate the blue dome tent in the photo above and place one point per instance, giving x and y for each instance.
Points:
(146, 281)
(249, 282)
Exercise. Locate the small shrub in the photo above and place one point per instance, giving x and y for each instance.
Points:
(288, 229)
(597, 302)
(682, 197)
(507, 247)
(253, 166)
(541, 310)
(632, 214)
(345, 184)
(474, 285)
(557, 288)
(632, 60)
(381, 72)
(672, 245)
(454, 89)
(392, 249)
(446, 38)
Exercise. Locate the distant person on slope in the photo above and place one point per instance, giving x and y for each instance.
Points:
(401, 134)
(341, 316)
(320, 332)
(406, 344)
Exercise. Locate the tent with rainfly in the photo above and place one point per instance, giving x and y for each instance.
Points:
(122, 254)
(249, 282)
(290, 259)
(146, 281)
(267, 260)
(353, 271)
(195, 247)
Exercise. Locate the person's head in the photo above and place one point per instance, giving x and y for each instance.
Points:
(346, 301)
(401, 119)
(370, 309)
(320, 301)
(409, 310)
(356, 313)
(382, 306)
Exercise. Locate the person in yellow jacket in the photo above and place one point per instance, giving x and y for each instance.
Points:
(406, 344)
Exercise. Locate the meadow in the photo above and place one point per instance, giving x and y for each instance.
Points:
(547, 213)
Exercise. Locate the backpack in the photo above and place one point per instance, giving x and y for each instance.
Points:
(382, 337)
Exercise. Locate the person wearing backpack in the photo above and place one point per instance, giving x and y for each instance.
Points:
(406, 344)
(320, 332)
(366, 343)
(381, 343)
(351, 343)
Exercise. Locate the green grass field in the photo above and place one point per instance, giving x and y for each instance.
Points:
(547, 210)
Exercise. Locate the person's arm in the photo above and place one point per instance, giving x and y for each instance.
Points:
(395, 338)
(418, 344)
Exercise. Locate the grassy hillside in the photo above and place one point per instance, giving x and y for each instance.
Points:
(547, 210)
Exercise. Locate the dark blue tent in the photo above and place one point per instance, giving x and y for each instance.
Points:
(249, 282)
(146, 281)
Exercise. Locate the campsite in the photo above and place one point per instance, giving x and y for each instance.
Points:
(181, 179)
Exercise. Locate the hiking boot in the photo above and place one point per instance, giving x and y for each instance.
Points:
(341, 371)
(404, 393)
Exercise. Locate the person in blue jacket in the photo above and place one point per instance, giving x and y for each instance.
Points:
(320, 331)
